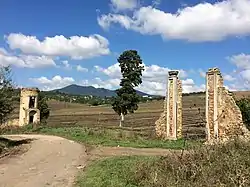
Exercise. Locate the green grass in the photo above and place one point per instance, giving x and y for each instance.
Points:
(218, 165)
(112, 172)
(106, 137)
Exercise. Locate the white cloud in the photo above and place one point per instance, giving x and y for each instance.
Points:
(188, 85)
(242, 61)
(151, 72)
(240, 77)
(112, 71)
(54, 83)
(154, 79)
(66, 64)
(120, 5)
(76, 47)
(202, 22)
(81, 69)
(229, 78)
(26, 61)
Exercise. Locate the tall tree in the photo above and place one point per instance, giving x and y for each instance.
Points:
(6, 93)
(131, 69)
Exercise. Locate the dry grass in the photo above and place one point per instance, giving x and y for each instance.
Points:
(143, 120)
(208, 166)
(225, 165)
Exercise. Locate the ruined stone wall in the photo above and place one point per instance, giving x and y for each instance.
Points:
(169, 125)
(223, 116)
(170, 109)
(179, 109)
(24, 112)
(229, 116)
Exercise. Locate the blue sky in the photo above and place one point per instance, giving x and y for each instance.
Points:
(51, 44)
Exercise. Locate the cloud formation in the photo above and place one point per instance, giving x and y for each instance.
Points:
(199, 23)
(53, 83)
(121, 5)
(154, 79)
(75, 47)
(25, 61)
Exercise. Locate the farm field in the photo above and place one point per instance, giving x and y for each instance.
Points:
(142, 121)
(72, 114)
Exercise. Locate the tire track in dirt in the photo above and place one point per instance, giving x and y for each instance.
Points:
(50, 161)
(55, 161)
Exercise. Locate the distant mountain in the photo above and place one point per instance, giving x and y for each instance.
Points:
(90, 90)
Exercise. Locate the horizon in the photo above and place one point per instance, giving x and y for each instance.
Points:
(51, 45)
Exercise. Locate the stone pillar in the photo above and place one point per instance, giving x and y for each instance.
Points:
(223, 116)
(169, 125)
(174, 110)
(213, 78)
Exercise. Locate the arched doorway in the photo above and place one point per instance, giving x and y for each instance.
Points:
(32, 114)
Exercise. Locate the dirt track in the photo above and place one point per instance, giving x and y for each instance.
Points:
(55, 161)
(50, 161)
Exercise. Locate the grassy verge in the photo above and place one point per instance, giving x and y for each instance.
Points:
(208, 166)
(112, 172)
(106, 137)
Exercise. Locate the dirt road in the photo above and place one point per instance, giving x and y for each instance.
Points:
(50, 161)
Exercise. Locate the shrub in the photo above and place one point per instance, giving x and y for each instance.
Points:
(209, 166)
(244, 105)
(43, 107)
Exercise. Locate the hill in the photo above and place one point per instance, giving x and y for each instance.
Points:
(74, 89)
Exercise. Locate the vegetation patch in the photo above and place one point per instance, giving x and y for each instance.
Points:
(207, 166)
(106, 137)
(8, 146)
(112, 172)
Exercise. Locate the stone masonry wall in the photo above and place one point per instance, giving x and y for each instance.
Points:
(229, 117)
(24, 106)
(169, 125)
(170, 109)
(179, 109)
(224, 119)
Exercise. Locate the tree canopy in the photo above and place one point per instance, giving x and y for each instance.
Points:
(6, 93)
(131, 69)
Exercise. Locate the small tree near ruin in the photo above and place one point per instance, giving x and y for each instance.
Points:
(43, 107)
(131, 69)
(6, 94)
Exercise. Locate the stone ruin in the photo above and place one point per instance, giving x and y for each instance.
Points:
(169, 125)
(29, 112)
(223, 116)
(28, 109)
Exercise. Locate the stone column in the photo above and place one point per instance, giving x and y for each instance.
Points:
(212, 79)
(174, 110)
(169, 125)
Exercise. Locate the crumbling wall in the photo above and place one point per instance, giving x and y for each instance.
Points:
(229, 116)
(25, 110)
(179, 109)
(169, 125)
(223, 116)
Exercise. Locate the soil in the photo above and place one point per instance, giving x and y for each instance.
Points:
(55, 161)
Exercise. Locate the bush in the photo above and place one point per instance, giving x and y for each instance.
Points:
(43, 107)
(244, 105)
(208, 166)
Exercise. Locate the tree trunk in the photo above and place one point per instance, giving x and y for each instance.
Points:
(122, 119)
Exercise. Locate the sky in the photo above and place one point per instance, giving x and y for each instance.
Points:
(52, 44)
